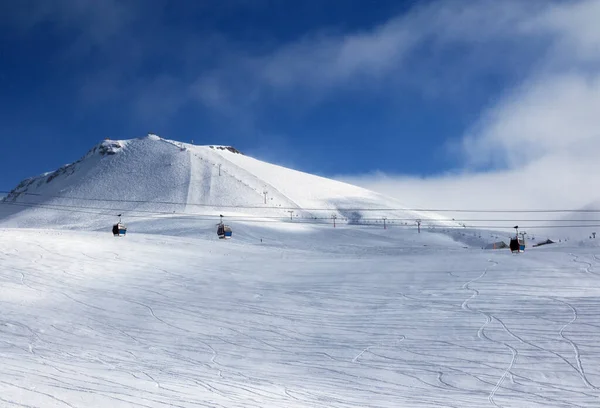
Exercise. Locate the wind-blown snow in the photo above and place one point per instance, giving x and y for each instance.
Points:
(351, 317)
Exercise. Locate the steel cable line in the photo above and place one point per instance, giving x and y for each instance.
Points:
(103, 211)
(311, 209)
(150, 214)
(261, 219)
(379, 219)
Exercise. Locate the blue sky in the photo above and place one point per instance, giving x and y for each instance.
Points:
(74, 75)
(369, 90)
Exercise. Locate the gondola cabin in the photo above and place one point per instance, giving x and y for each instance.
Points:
(224, 231)
(516, 244)
(119, 229)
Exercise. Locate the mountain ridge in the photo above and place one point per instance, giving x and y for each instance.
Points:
(156, 176)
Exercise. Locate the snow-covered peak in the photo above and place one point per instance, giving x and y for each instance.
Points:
(152, 176)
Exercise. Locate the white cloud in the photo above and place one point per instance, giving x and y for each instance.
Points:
(326, 61)
(553, 182)
(556, 115)
(541, 138)
(550, 183)
(574, 25)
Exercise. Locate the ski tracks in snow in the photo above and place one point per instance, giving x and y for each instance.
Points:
(187, 334)
(573, 344)
(588, 265)
(489, 318)
(359, 355)
(515, 353)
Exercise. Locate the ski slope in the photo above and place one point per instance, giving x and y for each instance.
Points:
(291, 312)
(152, 177)
(312, 316)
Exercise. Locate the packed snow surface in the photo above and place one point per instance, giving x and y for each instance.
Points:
(312, 316)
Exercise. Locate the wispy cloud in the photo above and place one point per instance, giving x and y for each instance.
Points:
(444, 43)
(438, 47)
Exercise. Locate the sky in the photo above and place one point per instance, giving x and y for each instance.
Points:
(450, 103)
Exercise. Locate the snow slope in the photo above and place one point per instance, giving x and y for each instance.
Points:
(346, 317)
(151, 177)
(289, 313)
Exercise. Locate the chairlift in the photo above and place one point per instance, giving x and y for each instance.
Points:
(119, 229)
(223, 231)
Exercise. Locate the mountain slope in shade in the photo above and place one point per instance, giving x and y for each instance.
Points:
(152, 177)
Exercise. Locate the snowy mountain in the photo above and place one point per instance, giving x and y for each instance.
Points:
(151, 177)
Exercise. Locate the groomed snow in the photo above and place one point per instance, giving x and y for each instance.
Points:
(310, 317)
